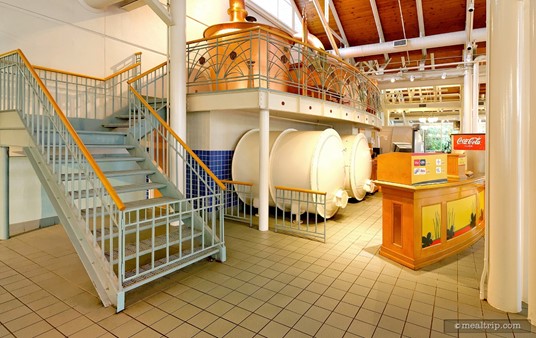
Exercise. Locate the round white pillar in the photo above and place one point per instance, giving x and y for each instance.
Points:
(177, 78)
(467, 115)
(505, 281)
(4, 192)
(530, 162)
(264, 168)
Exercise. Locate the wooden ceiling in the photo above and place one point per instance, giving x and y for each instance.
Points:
(399, 20)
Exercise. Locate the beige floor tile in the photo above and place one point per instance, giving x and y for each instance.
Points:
(240, 332)
(184, 331)
(166, 324)
(254, 322)
(220, 307)
(21, 322)
(34, 330)
(220, 327)
(236, 315)
(129, 328)
(308, 325)
(274, 329)
(75, 325)
(202, 319)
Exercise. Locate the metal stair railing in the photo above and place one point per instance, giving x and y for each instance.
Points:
(90, 97)
(201, 191)
(68, 163)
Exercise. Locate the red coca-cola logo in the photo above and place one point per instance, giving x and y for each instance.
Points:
(469, 141)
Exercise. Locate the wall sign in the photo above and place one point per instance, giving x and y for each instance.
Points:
(469, 141)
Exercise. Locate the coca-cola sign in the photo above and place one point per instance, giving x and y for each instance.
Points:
(469, 141)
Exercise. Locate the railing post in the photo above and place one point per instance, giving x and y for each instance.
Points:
(4, 193)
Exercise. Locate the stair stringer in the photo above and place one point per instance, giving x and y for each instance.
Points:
(95, 264)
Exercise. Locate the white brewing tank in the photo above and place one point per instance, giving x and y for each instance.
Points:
(358, 165)
(245, 165)
(311, 160)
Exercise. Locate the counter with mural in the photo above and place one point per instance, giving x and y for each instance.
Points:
(424, 224)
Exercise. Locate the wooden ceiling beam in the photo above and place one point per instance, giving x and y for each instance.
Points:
(327, 29)
(344, 39)
(378, 22)
(420, 18)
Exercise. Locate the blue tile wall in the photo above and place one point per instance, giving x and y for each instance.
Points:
(219, 161)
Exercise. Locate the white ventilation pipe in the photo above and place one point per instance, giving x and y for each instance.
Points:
(431, 41)
(476, 90)
(99, 4)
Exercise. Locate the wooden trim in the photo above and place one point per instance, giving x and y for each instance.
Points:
(109, 188)
(307, 191)
(136, 78)
(124, 70)
(181, 142)
(237, 182)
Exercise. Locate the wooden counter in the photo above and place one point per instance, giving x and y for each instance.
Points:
(424, 224)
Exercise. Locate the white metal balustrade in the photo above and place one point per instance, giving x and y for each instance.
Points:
(293, 212)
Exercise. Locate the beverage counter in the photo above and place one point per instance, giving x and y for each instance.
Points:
(423, 224)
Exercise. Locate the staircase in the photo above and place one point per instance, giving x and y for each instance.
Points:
(135, 201)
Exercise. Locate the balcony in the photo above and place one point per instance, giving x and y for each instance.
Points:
(259, 68)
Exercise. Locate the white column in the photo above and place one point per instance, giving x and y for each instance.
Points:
(504, 220)
(476, 92)
(467, 115)
(4, 192)
(264, 168)
(177, 75)
(530, 162)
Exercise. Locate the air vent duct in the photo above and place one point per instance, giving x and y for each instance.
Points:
(400, 43)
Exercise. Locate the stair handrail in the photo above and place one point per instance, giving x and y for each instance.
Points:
(89, 158)
(168, 128)
(99, 87)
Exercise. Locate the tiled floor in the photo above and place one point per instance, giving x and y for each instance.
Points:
(272, 285)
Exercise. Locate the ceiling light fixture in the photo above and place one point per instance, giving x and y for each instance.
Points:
(393, 79)
(412, 78)
(444, 76)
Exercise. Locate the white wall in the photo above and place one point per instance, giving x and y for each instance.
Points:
(221, 130)
(64, 34)
(28, 200)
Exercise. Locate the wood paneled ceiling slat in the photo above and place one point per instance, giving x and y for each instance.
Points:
(440, 17)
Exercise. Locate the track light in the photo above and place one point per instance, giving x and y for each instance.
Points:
(444, 76)
(393, 79)
(412, 78)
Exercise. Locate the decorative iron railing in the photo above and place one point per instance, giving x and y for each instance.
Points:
(261, 58)
(89, 97)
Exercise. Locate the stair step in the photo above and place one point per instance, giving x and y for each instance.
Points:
(112, 173)
(146, 246)
(102, 137)
(103, 158)
(175, 261)
(118, 158)
(149, 203)
(126, 116)
(110, 146)
(147, 224)
(116, 125)
(120, 189)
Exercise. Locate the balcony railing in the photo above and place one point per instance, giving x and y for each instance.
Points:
(264, 59)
